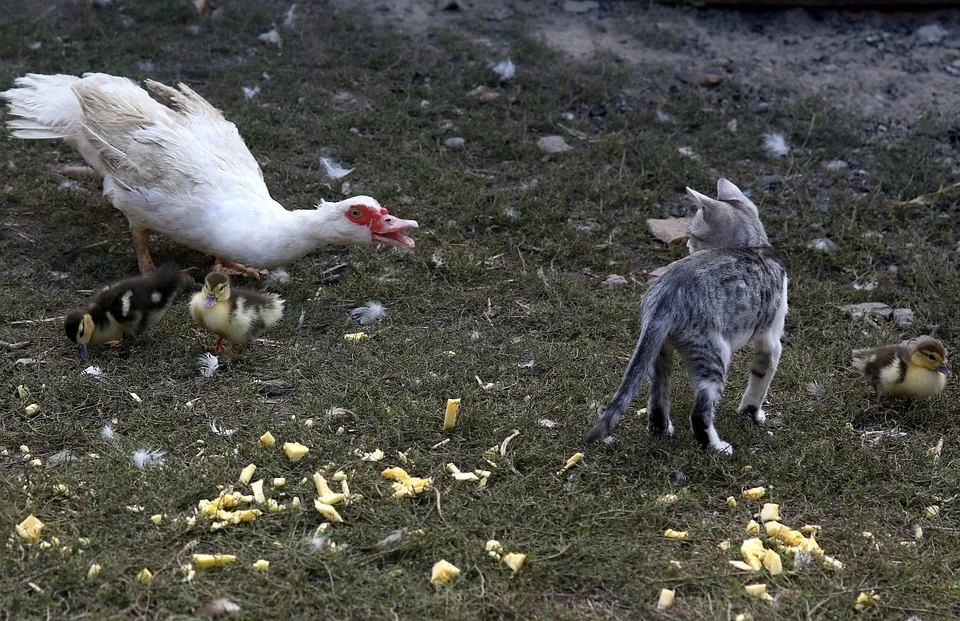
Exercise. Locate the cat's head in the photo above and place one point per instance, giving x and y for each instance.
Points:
(729, 221)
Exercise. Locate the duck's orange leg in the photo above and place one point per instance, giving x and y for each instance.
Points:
(201, 6)
(235, 269)
(218, 346)
(141, 245)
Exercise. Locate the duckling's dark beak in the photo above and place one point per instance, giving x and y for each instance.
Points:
(83, 351)
(943, 368)
(210, 301)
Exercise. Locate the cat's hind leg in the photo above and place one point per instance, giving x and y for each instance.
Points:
(707, 363)
(766, 359)
(658, 403)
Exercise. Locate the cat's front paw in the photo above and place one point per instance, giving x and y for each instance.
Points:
(724, 448)
(756, 414)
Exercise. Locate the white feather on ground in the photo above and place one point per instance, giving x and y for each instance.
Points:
(220, 430)
(94, 371)
(271, 36)
(142, 458)
(250, 93)
(368, 314)
(63, 457)
(334, 170)
(290, 19)
(108, 433)
(505, 69)
(775, 144)
(278, 276)
(208, 364)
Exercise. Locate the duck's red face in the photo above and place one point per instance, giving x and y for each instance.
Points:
(383, 227)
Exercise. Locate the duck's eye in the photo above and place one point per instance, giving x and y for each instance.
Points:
(355, 213)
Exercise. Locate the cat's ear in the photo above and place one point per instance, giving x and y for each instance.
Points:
(729, 193)
(710, 207)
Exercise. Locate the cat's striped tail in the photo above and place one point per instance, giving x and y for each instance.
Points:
(638, 370)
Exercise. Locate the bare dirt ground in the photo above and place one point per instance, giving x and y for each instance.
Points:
(893, 66)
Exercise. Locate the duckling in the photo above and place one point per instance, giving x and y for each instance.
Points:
(130, 307)
(915, 368)
(235, 315)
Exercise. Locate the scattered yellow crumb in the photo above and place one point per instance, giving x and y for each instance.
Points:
(666, 599)
(773, 563)
(93, 572)
(247, 473)
(731, 502)
(667, 499)
(29, 529)
(145, 576)
(295, 451)
(755, 493)
(758, 591)
(32, 409)
(770, 513)
(442, 572)
(267, 440)
(724, 545)
(279, 482)
(932, 511)
(205, 561)
(865, 600)
(573, 461)
(327, 511)
(157, 519)
(257, 488)
(675, 534)
(262, 565)
(514, 560)
(395, 474)
(753, 528)
(376, 455)
(356, 336)
(450, 417)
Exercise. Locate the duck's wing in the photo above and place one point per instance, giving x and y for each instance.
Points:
(149, 147)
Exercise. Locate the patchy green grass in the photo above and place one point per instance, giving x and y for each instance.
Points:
(512, 249)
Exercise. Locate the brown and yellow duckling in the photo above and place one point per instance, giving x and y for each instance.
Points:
(128, 308)
(235, 315)
(913, 369)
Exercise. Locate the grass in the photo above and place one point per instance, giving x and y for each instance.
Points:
(502, 276)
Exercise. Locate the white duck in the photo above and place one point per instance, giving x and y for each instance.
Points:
(184, 171)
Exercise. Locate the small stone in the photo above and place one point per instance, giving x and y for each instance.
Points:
(613, 281)
(770, 181)
(580, 6)
(672, 231)
(931, 34)
(857, 311)
(488, 96)
(732, 126)
(903, 317)
(454, 143)
(553, 144)
(835, 165)
(823, 245)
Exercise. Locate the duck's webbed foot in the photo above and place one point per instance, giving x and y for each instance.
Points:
(235, 269)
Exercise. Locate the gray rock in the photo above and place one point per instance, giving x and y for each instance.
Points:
(858, 311)
(931, 34)
(454, 143)
(553, 144)
(580, 6)
(613, 281)
(903, 317)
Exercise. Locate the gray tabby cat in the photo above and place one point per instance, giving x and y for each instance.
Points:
(730, 291)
